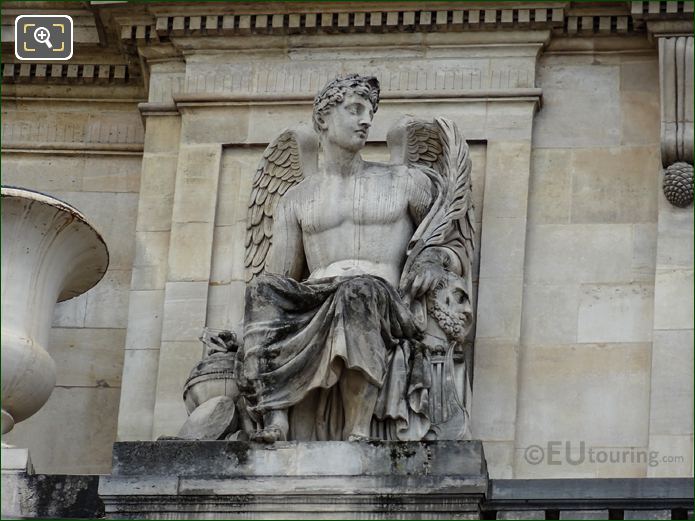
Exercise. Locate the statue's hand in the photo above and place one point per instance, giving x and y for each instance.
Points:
(428, 270)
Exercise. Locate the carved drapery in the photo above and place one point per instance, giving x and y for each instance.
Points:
(676, 69)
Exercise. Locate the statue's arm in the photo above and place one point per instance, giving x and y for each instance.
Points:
(420, 195)
(286, 255)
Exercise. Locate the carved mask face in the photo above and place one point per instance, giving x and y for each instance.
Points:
(347, 124)
(451, 307)
(454, 297)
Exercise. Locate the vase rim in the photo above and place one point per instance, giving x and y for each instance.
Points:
(54, 202)
(27, 193)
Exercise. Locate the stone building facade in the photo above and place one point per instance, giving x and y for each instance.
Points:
(584, 280)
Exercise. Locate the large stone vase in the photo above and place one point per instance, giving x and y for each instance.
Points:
(50, 253)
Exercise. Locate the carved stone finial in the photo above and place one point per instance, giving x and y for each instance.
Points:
(678, 184)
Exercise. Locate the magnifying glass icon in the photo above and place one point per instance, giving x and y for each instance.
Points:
(43, 35)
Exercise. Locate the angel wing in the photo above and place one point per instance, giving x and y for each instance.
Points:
(291, 157)
(438, 149)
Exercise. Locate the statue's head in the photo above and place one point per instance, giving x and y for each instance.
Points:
(344, 109)
(450, 305)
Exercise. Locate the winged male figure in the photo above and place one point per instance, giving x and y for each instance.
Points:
(331, 339)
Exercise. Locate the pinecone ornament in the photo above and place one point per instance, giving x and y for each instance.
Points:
(678, 184)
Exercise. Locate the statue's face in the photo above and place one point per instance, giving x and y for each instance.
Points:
(347, 124)
(452, 308)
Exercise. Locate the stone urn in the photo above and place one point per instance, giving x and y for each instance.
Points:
(50, 253)
(215, 374)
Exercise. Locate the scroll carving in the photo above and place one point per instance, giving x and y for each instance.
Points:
(676, 68)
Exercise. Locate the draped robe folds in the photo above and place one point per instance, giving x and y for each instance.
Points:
(301, 336)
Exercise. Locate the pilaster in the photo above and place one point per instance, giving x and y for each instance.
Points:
(671, 409)
(150, 268)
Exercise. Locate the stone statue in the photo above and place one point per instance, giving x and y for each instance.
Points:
(345, 264)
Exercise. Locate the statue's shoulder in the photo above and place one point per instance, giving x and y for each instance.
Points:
(300, 190)
(418, 178)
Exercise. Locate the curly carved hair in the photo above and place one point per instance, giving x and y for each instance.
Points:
(335, 90)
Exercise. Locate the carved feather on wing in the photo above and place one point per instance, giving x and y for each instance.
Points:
(290, 158)
(440, 151)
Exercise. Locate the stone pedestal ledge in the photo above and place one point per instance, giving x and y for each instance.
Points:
(16, 460)
(296, 480)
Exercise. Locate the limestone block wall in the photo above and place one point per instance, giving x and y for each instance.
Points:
(89, 155)
(584, 312)
(589, 335)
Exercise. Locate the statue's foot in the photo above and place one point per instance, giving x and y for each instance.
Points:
(270, 434)
(359, 437)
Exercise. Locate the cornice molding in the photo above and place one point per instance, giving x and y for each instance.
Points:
(665, 18)
(662, 10)
(563, 18)
(185, 101)
(68, 73)
(182, 100)
(169, 31)
(72, 149)
(455, 17)
(78, 134)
